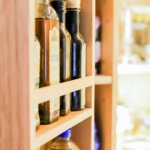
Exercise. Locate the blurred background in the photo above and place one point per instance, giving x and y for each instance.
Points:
(133, 106)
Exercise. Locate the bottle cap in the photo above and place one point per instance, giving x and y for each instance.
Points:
(73, 4)
(66, 134)
(58, 5)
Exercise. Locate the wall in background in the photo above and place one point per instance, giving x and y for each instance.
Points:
(134, 90)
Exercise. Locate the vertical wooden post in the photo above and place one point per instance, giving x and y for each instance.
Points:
(14, 75)
(106, 95)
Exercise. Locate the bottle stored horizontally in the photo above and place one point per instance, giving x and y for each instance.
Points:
(37, 49)
(47, 30)
(63, 142)
(78, 52)
(65, 54)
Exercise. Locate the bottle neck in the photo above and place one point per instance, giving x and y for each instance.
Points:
(61, 16)
(65, 139)
(73, 20)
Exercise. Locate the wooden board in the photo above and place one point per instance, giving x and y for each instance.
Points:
(83, 134)
(17, 129)
(103, 80)
(48, 132)
(45, 93)
(106, 94)
(14, 75)
(103, 111)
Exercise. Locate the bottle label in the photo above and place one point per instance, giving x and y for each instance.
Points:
(37, 64)
(68, 56)
(37, 118)
(68, 99)
(83, 98)
(54, 56)
(83, 73)
(54, 109)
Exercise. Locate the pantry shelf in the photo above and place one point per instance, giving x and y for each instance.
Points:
(46, 93)
(46, 133)
(103, 80)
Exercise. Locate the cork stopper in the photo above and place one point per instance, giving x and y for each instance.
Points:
(73, 4)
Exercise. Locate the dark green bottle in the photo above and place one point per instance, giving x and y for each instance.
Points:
(78, 52)
(65, 53)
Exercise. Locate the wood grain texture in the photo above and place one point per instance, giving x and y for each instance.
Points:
(103, 111)
(103, 80)
(106, 95)
(41, 95)
(83, 136)
(14, 83)
(48, 132)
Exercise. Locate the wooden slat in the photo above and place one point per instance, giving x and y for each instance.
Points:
(103, 80)
(84, 131)
(106, 94)
(103, 111)
(14, 75)
(43, 94)
(48, 132)
(33, 105)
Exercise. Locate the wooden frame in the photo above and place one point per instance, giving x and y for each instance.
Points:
(105, 95)
(18, 96)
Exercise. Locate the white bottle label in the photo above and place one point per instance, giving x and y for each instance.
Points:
(37, 64)
(54, 56)
(54, 108)
(83, 74)
(68, 100)
(68, 55)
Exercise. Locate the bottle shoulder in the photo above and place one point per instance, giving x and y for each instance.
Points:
(77, 38)
(64, 144)
(44, 10)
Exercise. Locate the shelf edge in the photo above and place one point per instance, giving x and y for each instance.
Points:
(46, 93)
(103, 80)
(76, 118)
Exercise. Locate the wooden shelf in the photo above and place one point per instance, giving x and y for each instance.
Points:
(46, 93)
(48, 132)
(103, 80)
(18, 67)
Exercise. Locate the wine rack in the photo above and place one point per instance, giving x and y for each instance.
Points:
(19, 97)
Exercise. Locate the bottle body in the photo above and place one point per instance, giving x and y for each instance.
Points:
(63, 142)
(47, 30)
(77, 57)
(65, 54)
(65, 101)
(37, 49)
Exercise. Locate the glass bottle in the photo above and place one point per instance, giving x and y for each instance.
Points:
(65, 54)
(37, 49)
(63, 142)
(47, 30)
(78, 52)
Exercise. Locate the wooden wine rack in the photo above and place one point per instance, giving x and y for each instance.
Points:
(19, 97)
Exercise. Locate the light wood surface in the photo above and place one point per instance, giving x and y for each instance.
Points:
(48, 132)
(17, 130)
(103, 80)
(43, 94)
(14, 69)
(103, 111)
(84, 132)
(105, 95)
